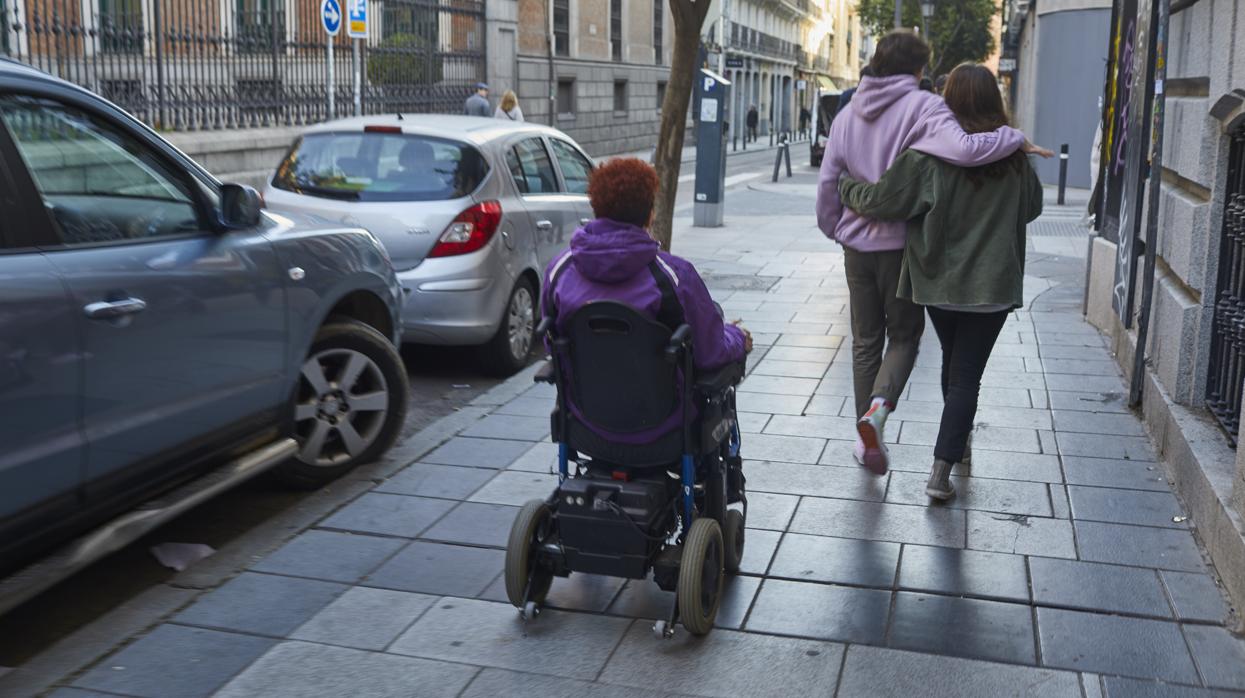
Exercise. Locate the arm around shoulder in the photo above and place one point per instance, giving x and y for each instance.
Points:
(901, 193)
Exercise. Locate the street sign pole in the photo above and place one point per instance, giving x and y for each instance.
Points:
(356, 28)
(358, 78)
(331, 19)
(330, 90)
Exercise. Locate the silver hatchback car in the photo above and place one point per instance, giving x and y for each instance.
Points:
(470, 209)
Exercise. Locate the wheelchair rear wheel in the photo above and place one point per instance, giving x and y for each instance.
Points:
(733, 540)
(700, 576)
(525, 581)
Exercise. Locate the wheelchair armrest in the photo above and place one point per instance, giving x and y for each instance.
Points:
(721, 379)
(545, 374)
(679, 342)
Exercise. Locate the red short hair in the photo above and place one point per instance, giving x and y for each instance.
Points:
(623, 190)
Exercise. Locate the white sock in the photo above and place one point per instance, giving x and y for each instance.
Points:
(880, 409)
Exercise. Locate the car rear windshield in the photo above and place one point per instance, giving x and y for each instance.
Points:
(381, 166)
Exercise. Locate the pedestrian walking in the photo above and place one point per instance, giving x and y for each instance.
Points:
(887, 115)
(805, 117)
(477, 104)
(509, 107)
(752, 120)
(965, 252)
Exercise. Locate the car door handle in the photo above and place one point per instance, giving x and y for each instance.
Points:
(544, 225)
(105, 310)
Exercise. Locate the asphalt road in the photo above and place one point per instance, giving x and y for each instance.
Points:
(442, 380)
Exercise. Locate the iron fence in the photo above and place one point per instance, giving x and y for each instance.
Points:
(1227, 353)
(211, 64)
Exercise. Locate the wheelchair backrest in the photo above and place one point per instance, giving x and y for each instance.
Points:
(620, 378)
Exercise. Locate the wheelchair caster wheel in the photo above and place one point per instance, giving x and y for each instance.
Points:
(526, 580)
(530, 611)
(663, 630)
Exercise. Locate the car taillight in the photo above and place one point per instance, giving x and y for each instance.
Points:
(470, 231)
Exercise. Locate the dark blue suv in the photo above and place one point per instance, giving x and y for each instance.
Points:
(163, 337)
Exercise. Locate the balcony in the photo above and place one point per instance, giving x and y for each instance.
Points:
(752, 41)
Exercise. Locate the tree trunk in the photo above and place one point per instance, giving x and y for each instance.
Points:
(668, 156)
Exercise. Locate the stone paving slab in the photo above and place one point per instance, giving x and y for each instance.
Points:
(1058, 570)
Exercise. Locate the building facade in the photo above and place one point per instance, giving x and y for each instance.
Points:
(779, 54)
(1194, 353)
(1059, 50)
(596, 69)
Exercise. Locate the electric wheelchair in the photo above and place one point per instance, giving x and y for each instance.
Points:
(675, 507)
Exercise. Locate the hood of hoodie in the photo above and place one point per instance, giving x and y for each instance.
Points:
(875, 95)
(609, 252)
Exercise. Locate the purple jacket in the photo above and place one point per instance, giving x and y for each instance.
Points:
(609, 260)
(887, 116)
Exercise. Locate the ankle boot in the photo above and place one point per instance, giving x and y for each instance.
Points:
(939, 486)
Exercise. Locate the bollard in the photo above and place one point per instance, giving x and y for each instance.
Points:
(735, 142)
(784, 152)
(771, 138)
(1063, 171)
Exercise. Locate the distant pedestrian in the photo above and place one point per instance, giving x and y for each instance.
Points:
(805, 117)
(846, 97)
(477, 104)
(965, 252)
(752, 121)
(888, 115)
(509, 107)
(940, 84)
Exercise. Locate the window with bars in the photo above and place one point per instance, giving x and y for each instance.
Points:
(1227, 343)
(5, 24)
(255, 20)
(616, 15)
(121, 26)
(562, 27)
(659, 20)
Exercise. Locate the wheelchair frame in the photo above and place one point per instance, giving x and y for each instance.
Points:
(695, 535)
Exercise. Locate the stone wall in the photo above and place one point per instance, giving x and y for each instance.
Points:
(593, 121)
(1205, 91)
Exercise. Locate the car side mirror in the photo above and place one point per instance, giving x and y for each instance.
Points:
(240, 206)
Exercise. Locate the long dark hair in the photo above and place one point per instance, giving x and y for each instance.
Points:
(972, 94)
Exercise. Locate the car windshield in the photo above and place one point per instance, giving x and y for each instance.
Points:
(381, 166)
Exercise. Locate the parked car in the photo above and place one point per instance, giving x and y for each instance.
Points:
(161, 335)
(825, 108)
(470, 209)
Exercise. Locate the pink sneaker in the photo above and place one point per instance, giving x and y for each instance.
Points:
(869, 429)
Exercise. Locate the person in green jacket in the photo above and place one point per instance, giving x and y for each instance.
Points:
(965, 253)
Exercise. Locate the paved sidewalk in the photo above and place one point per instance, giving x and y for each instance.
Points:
(1064, 567)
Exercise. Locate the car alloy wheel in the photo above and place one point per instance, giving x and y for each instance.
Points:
(343, 400)
(520, 322)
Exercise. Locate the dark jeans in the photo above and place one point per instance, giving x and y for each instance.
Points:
(967, 340)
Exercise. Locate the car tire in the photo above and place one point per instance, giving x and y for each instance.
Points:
(349, 406)
(510, 349)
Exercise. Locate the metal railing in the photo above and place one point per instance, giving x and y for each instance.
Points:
(745, 38)
(1227, 344)
(211, 64)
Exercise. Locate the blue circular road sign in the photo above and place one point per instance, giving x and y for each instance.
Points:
(331, 16)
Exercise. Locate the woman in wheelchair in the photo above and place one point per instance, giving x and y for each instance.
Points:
(645, 369)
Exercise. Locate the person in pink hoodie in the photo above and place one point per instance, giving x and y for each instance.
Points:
(889, 114)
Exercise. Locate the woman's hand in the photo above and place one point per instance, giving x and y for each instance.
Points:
(747, 336)
(1031, 149)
